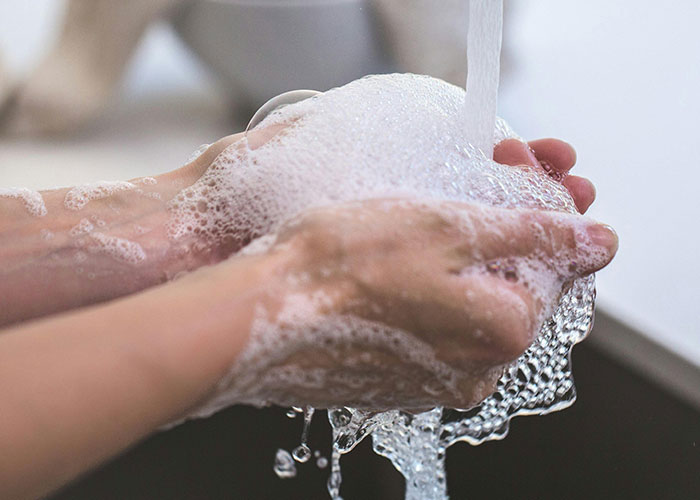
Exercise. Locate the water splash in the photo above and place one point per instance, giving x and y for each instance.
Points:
(284, 465)
(539, 382)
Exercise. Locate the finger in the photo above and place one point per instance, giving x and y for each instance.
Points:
(501, 312)
(558, 155)
(513, 152)
(582, 190)
(574, 244)
(559, 238)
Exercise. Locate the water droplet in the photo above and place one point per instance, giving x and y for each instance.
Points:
(301, 453)
(284, 465)
(340, 417)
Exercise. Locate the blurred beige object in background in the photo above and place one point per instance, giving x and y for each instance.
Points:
(257, 48)
(262, 48)
(427, 40)
(4, 81)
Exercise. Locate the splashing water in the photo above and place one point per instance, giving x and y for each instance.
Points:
(302, 453)
(539, 382)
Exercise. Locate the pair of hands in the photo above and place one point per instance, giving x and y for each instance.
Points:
(407, 265)
(112, 373)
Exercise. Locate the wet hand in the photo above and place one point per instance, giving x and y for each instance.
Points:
(473, 283)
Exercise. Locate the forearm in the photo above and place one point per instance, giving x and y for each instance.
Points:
(81, 387)
(65, 259)
(89, 246)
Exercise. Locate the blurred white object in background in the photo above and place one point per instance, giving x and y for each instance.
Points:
(26, 30)
(261, 48)
(427, 36)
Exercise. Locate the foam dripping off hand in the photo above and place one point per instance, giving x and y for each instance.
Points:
(400, 139)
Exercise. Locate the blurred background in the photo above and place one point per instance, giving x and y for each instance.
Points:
(619, 80)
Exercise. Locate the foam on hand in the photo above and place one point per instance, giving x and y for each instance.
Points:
(383, 136)
(79, 196)
(401, 137)
(32, 200)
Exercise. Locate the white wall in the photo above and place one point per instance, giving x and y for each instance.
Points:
(620, 80)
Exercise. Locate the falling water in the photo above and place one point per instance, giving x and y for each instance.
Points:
(483, 56)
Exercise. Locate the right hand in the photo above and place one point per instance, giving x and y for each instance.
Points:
(439, 271)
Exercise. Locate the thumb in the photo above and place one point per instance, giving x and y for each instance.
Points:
(576, 244)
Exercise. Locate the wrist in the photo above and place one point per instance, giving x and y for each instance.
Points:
(89, 247)
(212, 311)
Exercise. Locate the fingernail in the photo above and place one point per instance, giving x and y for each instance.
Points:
(530, 154)
(604, 236)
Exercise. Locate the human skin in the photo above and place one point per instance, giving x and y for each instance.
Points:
(39, 275)
(81, 386)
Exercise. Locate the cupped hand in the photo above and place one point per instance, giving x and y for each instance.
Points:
(471, 284)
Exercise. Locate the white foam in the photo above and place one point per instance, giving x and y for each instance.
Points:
(82, 228)
(388, 136)
(120, 249)
(79, 196)
(33, 201)
(147, 181)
